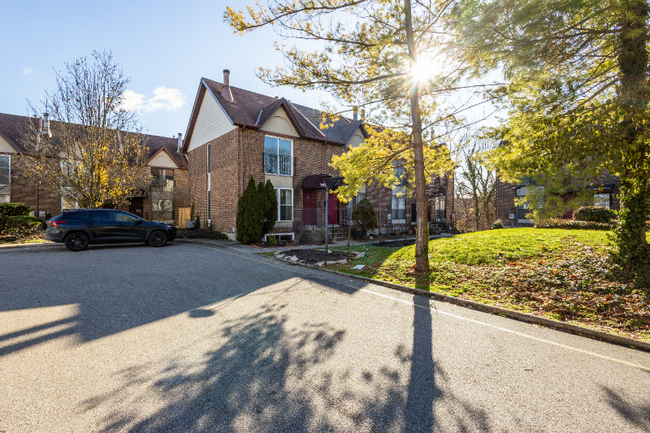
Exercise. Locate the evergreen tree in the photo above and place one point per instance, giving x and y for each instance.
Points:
(577, 90)
(271, 215)
(250, 214)
(364, 215)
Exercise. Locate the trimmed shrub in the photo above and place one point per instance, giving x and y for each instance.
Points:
(8, 210)
(364, 215)
(250, 214)
(271, 214)
(594, 214)
(23, 224)
(498, 224)
(557, 223)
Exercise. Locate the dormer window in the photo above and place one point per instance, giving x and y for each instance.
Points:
(278, 156)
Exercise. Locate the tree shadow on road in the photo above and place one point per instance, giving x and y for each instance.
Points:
(636, 414)
(266, 375)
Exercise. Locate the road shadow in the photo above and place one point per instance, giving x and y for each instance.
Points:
(109, 289)
(637, 415)
(264, 375)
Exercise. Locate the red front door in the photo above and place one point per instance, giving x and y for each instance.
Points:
(310, 213)
(332, 209)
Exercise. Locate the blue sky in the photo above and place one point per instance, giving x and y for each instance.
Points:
(164, 46)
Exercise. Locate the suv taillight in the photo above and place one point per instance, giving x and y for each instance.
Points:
(56, 223)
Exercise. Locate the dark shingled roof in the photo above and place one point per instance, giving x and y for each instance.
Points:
(12, 127)
(252, 110)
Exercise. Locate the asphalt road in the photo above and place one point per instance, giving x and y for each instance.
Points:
(198, 338)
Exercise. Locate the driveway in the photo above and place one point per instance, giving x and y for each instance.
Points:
(200, 338)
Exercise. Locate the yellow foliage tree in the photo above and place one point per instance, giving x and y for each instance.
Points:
(385, 56)
(89, 147)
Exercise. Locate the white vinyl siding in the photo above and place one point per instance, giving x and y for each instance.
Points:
(211, 123)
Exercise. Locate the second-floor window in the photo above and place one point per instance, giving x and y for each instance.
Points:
(5, 170)
(163, 179)
(277, 156)
(398, 205)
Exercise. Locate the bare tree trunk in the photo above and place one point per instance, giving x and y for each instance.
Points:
(422, 240)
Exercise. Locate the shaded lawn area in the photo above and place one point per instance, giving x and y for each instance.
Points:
(9, 239)
(560, 274)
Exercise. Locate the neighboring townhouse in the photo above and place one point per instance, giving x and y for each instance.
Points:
(168, 200)
(605, 191)
(234, 134)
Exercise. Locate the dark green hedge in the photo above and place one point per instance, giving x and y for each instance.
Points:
(22, 224)
(8, 210)
(557, 223)
(594, 214)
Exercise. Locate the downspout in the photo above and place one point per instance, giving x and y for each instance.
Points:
(241, 161)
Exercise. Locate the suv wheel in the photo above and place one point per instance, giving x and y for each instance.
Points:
(77, 241)
(157, 239)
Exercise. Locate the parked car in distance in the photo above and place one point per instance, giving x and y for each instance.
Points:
(81, 227)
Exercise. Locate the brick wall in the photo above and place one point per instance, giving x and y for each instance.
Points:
(181, 194)
(224, 178)
(23, 190)
(506, 194)
(224, 181)
(505, 205)
(198, 176)
(227, 183)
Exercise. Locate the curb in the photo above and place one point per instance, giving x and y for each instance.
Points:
(31, 245)
(523, 317)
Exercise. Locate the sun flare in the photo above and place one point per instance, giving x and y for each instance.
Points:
(426, 69)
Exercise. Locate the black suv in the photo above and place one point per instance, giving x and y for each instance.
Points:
(82, 227)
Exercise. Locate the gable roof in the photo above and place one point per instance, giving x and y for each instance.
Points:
(12, 127)
(157, 144)
(252, 110)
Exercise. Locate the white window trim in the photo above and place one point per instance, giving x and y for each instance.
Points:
(278, 150)
(280, 204)
(8, 184)
(279, 236)
(398, 192)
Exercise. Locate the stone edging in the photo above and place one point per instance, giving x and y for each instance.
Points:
(528, 318)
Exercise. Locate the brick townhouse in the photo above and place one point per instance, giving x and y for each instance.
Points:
(168, 200)
(605, 192)
(234, 134)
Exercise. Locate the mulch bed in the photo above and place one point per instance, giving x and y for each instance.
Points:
(314, 256)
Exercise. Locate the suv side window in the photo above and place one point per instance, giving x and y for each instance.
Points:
(124, 217)
(102, 216)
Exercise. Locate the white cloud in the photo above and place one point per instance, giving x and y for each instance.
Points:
(163, 98)
(29, 71)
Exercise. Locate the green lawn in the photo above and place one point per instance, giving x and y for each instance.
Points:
(561, 274)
